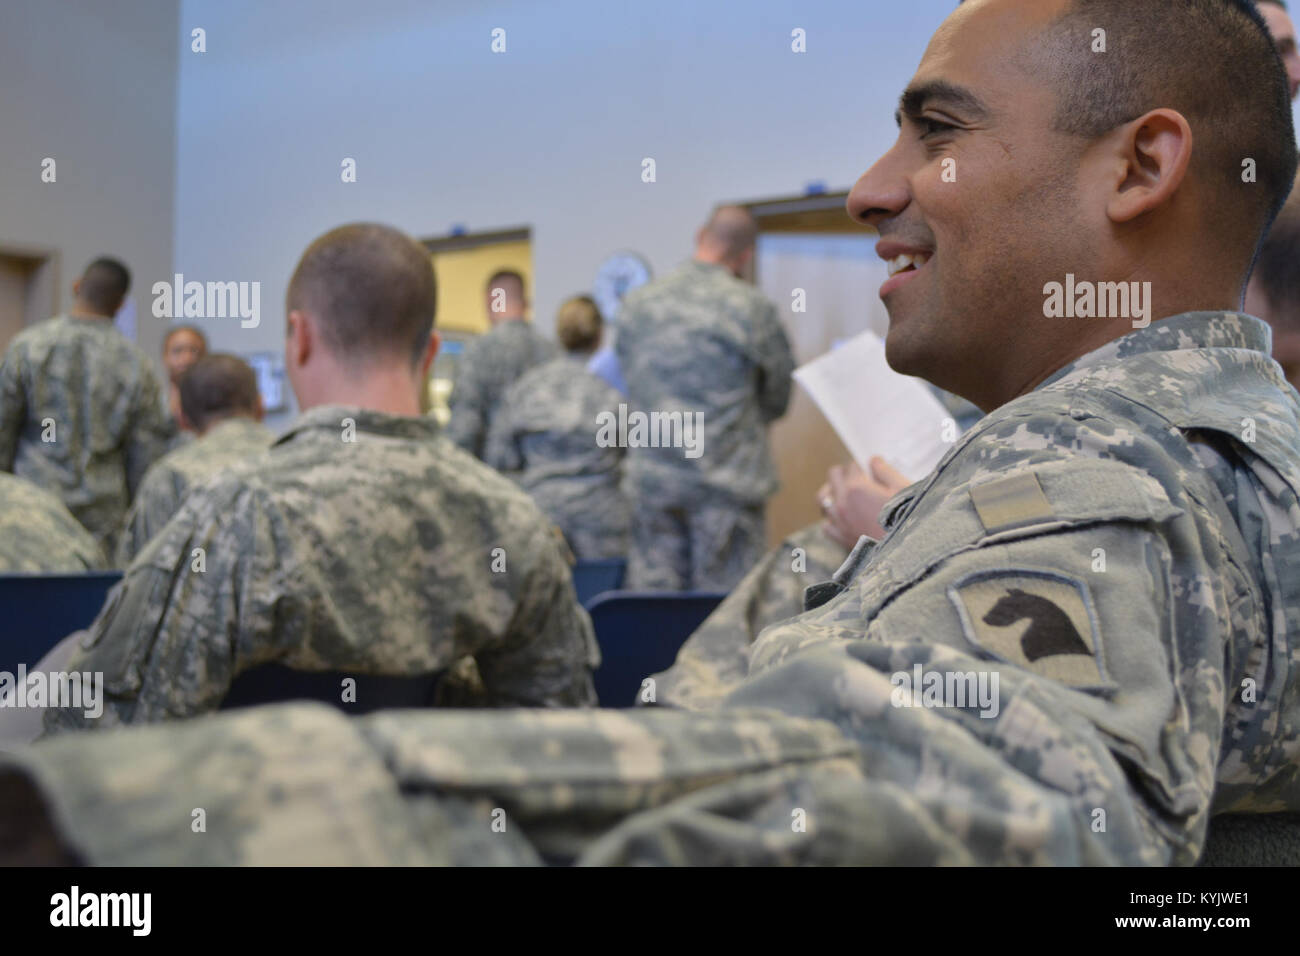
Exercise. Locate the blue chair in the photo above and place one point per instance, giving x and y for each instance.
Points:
(596, 577)
(640, 633)
(39, 610)
(275, 683)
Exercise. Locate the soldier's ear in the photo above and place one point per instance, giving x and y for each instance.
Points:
(1145, 162)
(299, 344)
(430, 353)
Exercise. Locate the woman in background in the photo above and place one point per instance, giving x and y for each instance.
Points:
(544, 437)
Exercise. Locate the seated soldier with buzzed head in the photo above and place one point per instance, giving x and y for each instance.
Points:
(362, 542)
(220, 403)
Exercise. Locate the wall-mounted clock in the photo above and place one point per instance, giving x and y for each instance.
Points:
(617, 276)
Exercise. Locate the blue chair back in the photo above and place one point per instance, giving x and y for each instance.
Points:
(640, 633)
(275, 683)
(596, 577)
(39, 610)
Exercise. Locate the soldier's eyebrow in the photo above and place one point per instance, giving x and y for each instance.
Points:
(916, 98)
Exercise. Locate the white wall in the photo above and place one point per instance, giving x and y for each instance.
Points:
(92, 85)
(549, 134)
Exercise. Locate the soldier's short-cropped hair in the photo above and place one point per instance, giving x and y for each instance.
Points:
(1211, 60)
(502, 275)
(218, 386)
(373, 289)
(104, 285)
(578, 324)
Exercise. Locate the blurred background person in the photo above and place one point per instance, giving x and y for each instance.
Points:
(493, 362)
(220, 404)
(1273, 293)
(182, 347)
(1281, 27)
(38, 535)
(80, 405)
(544, 437)
(702, 341)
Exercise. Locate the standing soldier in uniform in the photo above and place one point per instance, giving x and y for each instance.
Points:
(493, 362)
(700, 341)
(544, 436)
(80, 407)
(220, 403)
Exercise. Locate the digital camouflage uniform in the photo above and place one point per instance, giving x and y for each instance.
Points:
(39, 535)
(699, 340)
(171, 477)
(544, 437)
(85, 385)
(716, 657)
(1120, 546)
(490, 364)
(361, 542)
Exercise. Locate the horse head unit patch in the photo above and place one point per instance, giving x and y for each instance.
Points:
(1037, 620)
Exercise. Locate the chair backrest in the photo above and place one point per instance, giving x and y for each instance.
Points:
(591, 578)
(640, 633)
(39, 610)
(1252, 839)
(275, 683)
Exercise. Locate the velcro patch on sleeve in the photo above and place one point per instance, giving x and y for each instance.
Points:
(1010, 502)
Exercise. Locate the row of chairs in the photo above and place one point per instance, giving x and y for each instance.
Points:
(639, 634)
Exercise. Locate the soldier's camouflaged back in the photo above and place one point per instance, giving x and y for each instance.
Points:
(361, 542)
(699, 340)
(39, 535)
(489, 365)
(171, 477)
(102, 395)
(544, 437)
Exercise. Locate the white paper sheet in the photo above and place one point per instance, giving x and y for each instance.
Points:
(874, 410)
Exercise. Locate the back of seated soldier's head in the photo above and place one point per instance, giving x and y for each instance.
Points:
(578, 325)
(102, 288)
(360, 310)
(1046, 142)
(1274, 290)
(218, 387)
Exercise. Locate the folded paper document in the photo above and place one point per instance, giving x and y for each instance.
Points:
(876, 411)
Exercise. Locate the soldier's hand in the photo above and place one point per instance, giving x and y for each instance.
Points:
(851, 499)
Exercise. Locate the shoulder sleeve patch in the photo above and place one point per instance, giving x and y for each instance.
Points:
(1040, 621)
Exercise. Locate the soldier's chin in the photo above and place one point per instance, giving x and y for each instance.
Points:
(906, 347)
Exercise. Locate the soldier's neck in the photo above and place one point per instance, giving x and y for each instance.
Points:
(82, 312)
(391, 396)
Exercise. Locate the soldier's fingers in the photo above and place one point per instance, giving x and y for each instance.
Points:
(887, 474)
